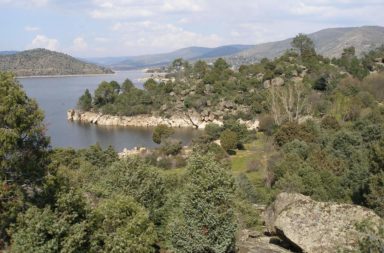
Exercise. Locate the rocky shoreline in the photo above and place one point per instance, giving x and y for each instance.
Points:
(178, 120)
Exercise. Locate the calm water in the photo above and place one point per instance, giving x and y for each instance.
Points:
(56, 95)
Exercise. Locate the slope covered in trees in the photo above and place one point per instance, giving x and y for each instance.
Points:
(42, 62)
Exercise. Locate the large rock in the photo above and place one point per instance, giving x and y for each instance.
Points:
(316, 226)
(277, 81)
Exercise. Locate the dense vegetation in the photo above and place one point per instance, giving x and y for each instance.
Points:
(42, 62)
(321, 134)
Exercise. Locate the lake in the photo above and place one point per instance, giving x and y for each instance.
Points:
(56, 95)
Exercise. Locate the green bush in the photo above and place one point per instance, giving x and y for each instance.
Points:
(228, 140)
(161, 132)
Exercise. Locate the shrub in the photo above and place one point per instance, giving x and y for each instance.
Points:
(290, 131)
(171, 147)
(213, 131)
(161, 132)
(228, 140)
(330, 122)
(267, 124)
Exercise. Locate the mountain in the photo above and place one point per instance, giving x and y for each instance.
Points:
(329, 42)
(189, 53)
(42, 62)
(8, 52)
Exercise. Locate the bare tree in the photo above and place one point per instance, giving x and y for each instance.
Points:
(289, 102)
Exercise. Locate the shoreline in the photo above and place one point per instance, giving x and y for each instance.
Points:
(176, 121)
(81, 75)
(60, 76)
(179, 120)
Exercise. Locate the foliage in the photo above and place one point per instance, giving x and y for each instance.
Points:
(304, 45)
(23, 150)
(206, 219)
(85, 101)
(171, 147)
(122, 225)
(64, 229)
(135, 178)
(161, 132)
(228, 140)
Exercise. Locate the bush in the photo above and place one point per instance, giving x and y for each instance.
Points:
(291, 131)
(228, 140)
(267, 125)
(206, 220)
(161, 132)
(171, 147)
(330, 122)
(213, 131)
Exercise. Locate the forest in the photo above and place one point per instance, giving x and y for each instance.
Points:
(321, 134)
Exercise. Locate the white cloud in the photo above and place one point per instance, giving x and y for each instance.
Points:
(79, 44)
(25, 3)
(102, 39)
(150, 37)
(121, 9)
(182, 6)
(31, 28)
(42, 41)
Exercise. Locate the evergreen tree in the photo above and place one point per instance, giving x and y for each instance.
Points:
(23, 150)
(206, 222)
(85, 101)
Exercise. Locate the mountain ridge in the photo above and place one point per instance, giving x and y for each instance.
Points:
(329, 42)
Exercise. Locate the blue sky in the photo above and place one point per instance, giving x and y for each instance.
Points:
(87, 28)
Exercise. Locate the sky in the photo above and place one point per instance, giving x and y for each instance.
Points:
(96, 28)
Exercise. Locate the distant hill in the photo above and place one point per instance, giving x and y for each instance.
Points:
(8, 52)
(42, 62)
(329, 42)
(189, 53)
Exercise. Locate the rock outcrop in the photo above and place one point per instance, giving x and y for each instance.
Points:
(313, 226)
(178, 120)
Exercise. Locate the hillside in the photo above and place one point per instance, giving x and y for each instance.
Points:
(41, 62)
(190, 53)
(329, 42)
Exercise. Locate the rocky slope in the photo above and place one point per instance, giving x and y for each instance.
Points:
(42, 62)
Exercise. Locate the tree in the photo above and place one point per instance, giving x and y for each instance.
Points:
(135, 178)
(64, 229)
(304, 45)
(85, 101)
(106, 93)
(228, 140)
(289, 102)
(150, 85)
(161, 132)
(127, 86)
(206, 222)
(200, 69)
(123, 226)
(23, 150)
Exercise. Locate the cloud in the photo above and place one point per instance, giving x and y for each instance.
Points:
(155, 37)
(79, 44)
(120, 9)
(31, 28)
(182, 6)
(42, 41)
(25, 3)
